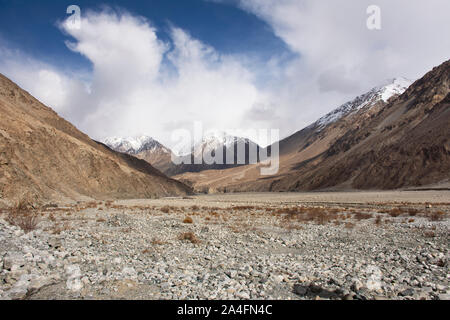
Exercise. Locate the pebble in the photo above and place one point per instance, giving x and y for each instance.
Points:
(139, 255)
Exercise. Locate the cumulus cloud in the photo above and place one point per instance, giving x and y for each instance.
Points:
(339, 57)
(45, 82)
(141, 84)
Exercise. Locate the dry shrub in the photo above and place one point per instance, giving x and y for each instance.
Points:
(57, 229)
(413, 212)
(243, 208)
(411, 220)
(189, 236)
(91, 205)
(241, 227)
(395, 212)
(303, 215)
(429, 234)
(195, 208)
(378, 221)
(362, 216)
(188, 220)
(165, 209)
(437, 216)
(23, 215)
(101, 220)
(108, 203)
(349, 225)
(157, 242)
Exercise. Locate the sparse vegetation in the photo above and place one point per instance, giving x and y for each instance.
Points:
(378, 220)
(23, 215)
(437, 216)
(165, 209)
(349, 225)
(188, 220)
(157, 242)
(189, 236)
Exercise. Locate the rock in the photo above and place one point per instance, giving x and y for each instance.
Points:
(129, 273)
(300, 290)
(37, 282)
(73, 282)
(407, 293)
(356, 285)
(243, 295)
(13, 260)
(54, 243)
(440, 287)
(232, 273)
(278, 278)
(74, 285)
(20, 289)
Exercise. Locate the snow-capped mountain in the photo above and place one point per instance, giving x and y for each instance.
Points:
(135, 145)
(393, 87)
(215, 140)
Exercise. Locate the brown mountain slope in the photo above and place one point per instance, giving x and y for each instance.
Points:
(44, 155)
(405, 144)
(402, 143)
(159, 159)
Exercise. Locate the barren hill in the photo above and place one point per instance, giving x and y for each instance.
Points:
(47, 157)
(374, 143)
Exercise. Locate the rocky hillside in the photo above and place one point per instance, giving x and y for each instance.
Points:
(385, 139)
(404, 144)
(46, 157)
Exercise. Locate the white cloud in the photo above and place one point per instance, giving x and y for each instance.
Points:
(340, 58)
(134, 92)
(45, 82)
(141, 84)
(131, 90)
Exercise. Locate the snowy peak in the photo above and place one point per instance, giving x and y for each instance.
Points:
(392, 87)
(135, 145)
(216, 140)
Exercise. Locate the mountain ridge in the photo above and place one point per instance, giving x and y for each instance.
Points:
(339, 154)
(47, 157)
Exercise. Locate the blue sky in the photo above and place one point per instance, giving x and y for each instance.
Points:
(152, 67)
(31, 26)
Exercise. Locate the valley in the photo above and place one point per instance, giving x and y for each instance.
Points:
(345, 245)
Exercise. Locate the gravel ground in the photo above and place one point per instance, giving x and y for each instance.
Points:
(230, 247)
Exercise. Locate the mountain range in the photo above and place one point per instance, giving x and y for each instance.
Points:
(45, 157)
(150, 150)
(395, 136)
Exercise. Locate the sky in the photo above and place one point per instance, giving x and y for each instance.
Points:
(152, 67)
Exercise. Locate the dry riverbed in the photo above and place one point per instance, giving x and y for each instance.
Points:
(361, 245)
